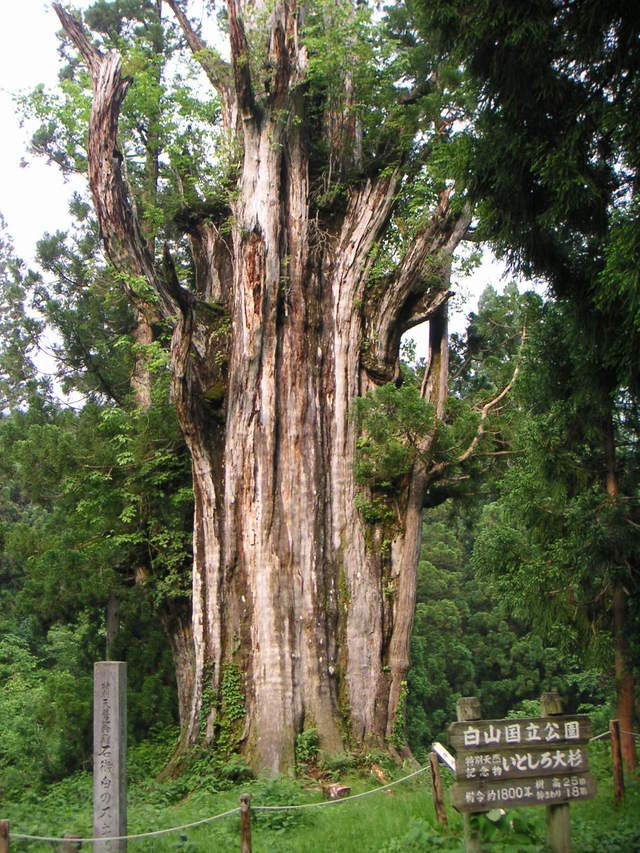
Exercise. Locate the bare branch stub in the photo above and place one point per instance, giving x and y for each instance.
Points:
(91, 55)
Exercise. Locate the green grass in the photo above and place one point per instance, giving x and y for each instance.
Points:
(400, 820)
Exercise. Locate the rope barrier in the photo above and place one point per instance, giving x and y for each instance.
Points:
(608, 734)
(155, 833)
(597, 737)
(341, 800)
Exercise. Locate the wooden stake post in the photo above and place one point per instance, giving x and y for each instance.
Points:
(616, 758)
(4, 836)
(436, 788)
(245, 824)
(558, 826)
(468, 710)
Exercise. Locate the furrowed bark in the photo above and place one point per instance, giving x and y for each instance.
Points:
(420, 285)
(624, 680)
(175, 618)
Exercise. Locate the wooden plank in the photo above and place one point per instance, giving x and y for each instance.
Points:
(534, 791)
(521, 763)
(475, 735)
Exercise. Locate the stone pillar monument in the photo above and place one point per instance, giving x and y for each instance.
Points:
(109, 755)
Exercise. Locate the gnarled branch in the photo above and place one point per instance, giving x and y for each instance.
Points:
(413, 294)
(122, 235)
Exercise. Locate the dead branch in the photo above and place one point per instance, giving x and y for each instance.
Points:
(486, 409)
(217, 70)
(240, 59)
(437, 470)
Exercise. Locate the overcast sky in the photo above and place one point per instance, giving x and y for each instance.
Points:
(33, 194)
(33, 197)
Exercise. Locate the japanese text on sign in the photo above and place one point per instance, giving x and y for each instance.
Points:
(537, 732)
(528, 792)
(510, 764)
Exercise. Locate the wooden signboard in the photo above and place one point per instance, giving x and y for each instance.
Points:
(533, 761)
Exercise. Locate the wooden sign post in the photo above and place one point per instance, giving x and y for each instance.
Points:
(468, 710)
(109, 755)
(558, 826)
(512, 763)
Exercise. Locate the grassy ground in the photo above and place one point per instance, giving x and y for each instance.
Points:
(400, 820)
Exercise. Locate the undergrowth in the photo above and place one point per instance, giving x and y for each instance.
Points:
(399, 820)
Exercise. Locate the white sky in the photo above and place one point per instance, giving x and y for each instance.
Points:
(33, 194)
(33, 198)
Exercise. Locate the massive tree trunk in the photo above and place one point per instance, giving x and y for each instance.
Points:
(280, 332)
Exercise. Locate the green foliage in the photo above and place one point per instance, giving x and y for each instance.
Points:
(399, 728)
(19, 329)
(42, 699)
(392, 422)
(402, 822)
(307, 747)
(420, 836)
(84, 518)
(231, 716)
(555, 541)
(277, 792)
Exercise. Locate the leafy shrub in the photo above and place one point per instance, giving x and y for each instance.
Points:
(419, 837)
(335, 765)
(278, 792)
(307, 746)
